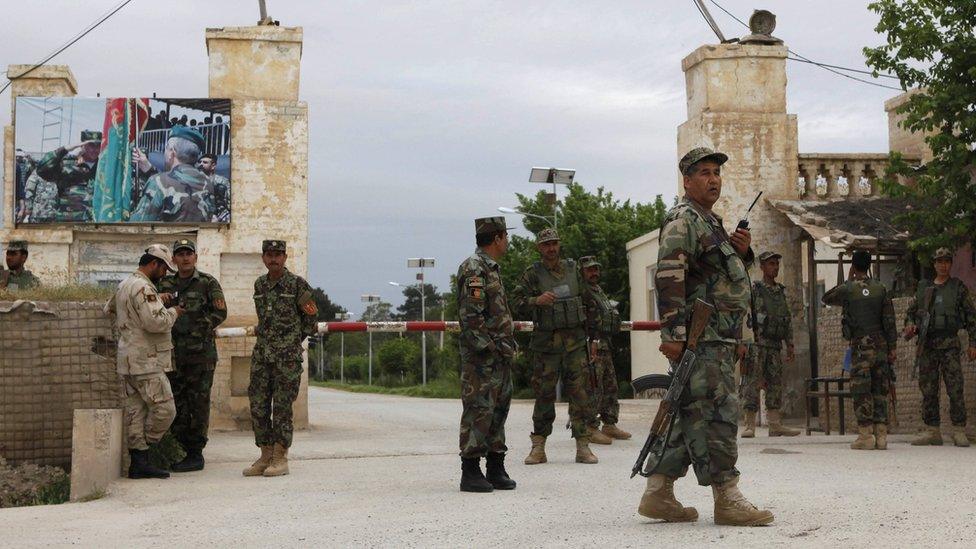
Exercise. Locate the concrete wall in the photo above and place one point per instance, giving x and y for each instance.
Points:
(644, 355)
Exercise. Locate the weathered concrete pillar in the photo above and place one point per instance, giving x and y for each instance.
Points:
(96, 451)
(901, 140)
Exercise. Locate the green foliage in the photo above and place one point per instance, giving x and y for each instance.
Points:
(355, 368)
(931, 46)
(30, 484)
(400, 358)
(410, 310)
(446, 386)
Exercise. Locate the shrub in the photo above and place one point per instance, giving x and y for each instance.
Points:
(400, 357)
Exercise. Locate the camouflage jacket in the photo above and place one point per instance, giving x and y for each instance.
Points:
(182, 194)
(696, 260)
(193, 333)
(965, 310)
(883, 316)
(486, 321)
(41, 198)
(221, 198)
(74, 181)
(774, 323)
(21, 280)
(561, 340)
(607, 317)
(287, 314)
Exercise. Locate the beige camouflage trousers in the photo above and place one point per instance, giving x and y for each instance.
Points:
(149, 408)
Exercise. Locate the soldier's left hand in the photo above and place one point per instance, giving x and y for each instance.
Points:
(971, 353)
(741, 240)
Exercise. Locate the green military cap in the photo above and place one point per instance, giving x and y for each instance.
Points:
(273, 246)
(546, 235)
(589, 261)
(488, 225)
(91, 135)
(697, 155)
(190, 134)
(942, 253)
(769, 255)
(17, 246)
(184, 243)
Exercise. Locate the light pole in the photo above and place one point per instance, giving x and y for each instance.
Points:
(421, 263)
(341, 317)
(554, 176)
(370, 299)
(551, 222)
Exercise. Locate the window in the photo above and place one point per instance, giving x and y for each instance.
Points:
(651, 294)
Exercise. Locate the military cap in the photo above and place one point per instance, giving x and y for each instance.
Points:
(546, 235)
(190, 134)
(488, 225)
(768, 255)
(273, 246)
(589, 261)
(697, 155)
(939, 254)
(91, 135)
(17, 246)
(861, 259)
(184, 243)
(162, 252)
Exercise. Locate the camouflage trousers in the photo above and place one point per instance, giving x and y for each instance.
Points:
(704, 434)
(191, 385)
(149, 408)
(605, 401)
(764, 369)
(944, 363)
(486, 395)
(272, 392)
(869, 383)
(547, 368)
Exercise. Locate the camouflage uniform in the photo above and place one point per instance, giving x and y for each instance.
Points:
(221, 198)
(869, 326)
(696, 260)
(182, 194)
(41, 198)
(605, 401)
(951, 308)
(194, 350)
(18, 280)
(74, 182)
(764, 363)
(286, 316)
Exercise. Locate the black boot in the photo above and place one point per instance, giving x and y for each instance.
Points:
(192, 462)
(496, 474)
(472, 479)
(139, 466)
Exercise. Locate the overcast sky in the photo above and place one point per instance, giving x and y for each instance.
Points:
(424, 115)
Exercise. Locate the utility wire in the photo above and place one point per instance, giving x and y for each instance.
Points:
(70, 43)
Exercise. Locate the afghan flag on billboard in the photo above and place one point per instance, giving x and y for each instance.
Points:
(112, 191)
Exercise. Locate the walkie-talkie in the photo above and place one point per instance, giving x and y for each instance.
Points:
(744, 222)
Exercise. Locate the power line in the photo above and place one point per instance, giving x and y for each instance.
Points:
(70, 43)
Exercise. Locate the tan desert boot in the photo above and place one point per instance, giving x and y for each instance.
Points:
(612, 431)
(538, 453)
(257, 468)
(749, 430)
(931, 436)
(279, 462)
(658, 501)
(865, 438)
(880, 436)
(596, 437)
(959, 436)
(776, 428)
(733, 509)
(583, 453)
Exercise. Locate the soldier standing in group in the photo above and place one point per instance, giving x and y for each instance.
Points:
(143, 323)
(947, 306)
(194, 351)
(287, 314)
(182, 193)
(698, 259)
(601, 353)
(552, 293)
(487, 356)
(17, 277)
(868, 323)
(73, 175)
(763, 364)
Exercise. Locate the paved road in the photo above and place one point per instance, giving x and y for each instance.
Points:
(383, 471)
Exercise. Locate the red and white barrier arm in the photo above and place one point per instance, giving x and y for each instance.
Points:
(416, 326)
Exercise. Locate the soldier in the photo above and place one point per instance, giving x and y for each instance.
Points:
(601, 354)
(17, 277)
(221, 188)
(868, 323)
(182, 194)
(286, 316)
(949, 307)
(487, 354)
(698, 259)
(762, 363)
(40, 200)
(73, 174)
(143, 323)
(552, 293)
(194, 351)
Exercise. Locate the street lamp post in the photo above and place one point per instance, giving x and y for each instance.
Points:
(341, 317)
(421, 263)
(371, 299)
(551, 222)
(555, 176)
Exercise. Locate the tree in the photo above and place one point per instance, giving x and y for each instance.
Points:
(410, 310)
(400, 357)
(931, 48)
(377, 312)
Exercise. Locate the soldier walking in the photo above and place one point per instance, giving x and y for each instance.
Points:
(868, 323)
(944, 306)
(763, 363)
(601, 354)
(143, 323)
(487, 355)
(286, 316)
(194, 351)
(698, 259)
(17, 277)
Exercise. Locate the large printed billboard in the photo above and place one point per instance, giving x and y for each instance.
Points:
(122, 160)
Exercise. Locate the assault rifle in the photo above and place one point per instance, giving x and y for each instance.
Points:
(667, 412)
(925, 318)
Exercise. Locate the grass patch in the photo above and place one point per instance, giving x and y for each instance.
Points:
(436, 388)
(70, 292)
(30, 484)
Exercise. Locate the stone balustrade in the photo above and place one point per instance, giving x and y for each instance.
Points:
(851, 176)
